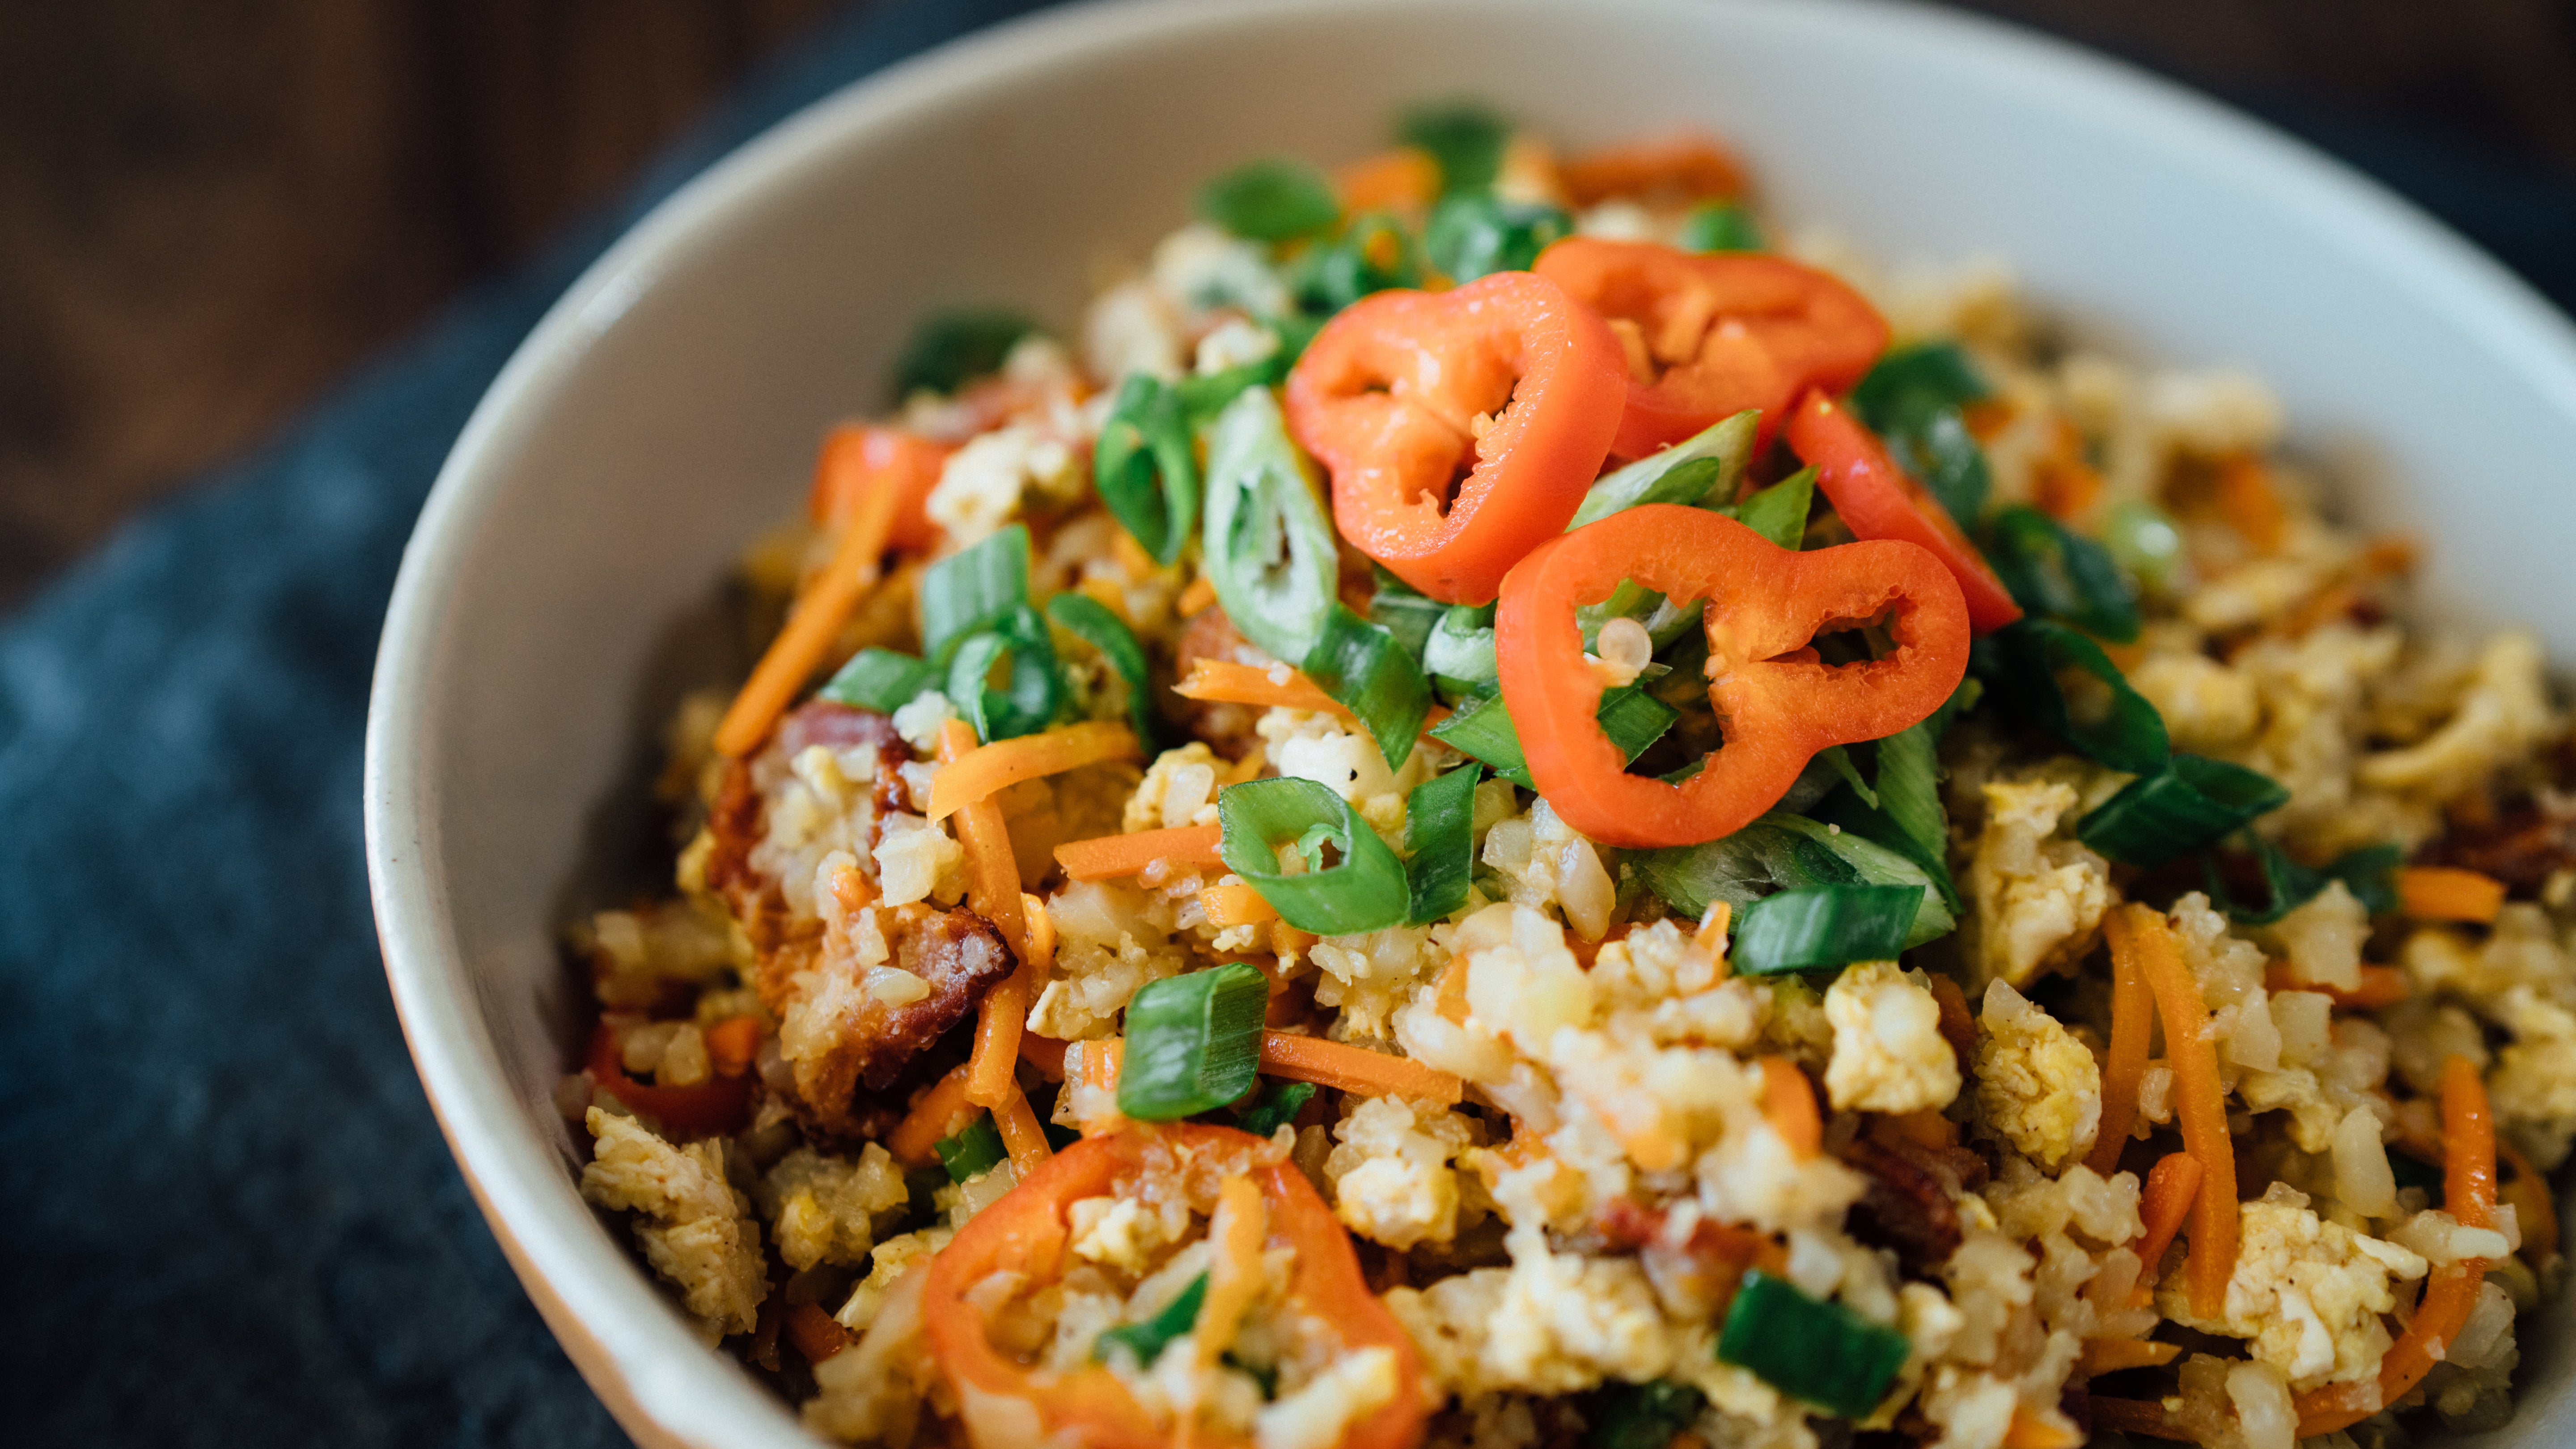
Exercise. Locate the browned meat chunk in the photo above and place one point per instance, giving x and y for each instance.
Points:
(843, 1028)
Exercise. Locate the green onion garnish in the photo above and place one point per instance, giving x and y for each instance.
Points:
(1678, 474)
(1458, 653)
(1269, 546)
(881, 680)
(1147, 1340)
(2020, 663)
(1439, 844)
(2191, 803)
(2364, 872)
(1403, 611)
(2053, 570)
(1913, 398)
(1741, 868)
(1720, 226)
(1818, 926)
(1146, 466)
(1374, 252)
(1463, 136)
(973, 590)
(949, 349)
(1475, 234)
(1033, 689)
(1361, 665)
(1091, 621)
(1193, 1042)
(1271, 200)
(2143, 539)
(976, 1148)
(1779, 512)
(1483, 728)
(1276, 1107)
(1622, 1415)
(1810, 1349)
(1364, 891)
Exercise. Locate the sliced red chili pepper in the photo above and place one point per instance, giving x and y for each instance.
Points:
(1461, 428)
(1006, 1401)
(1716, 334)
(860, 457)
(1777, 702)
(716, 1107)
(1877, 499)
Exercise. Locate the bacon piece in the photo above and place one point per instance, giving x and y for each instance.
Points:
(2522, 845)
(1908, 1206)
(957, 954)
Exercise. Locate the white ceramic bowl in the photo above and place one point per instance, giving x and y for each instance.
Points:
(554, 598)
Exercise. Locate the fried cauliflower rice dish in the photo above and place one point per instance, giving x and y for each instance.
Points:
(1502, 806)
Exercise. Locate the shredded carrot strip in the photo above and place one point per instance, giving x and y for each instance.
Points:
(1451, 998)
(1713, 928)
(2172, 1184)
(1235, 1277)
(2468, 1192)
(2029, 1431)
(937, 1114)
(1108, 857)
(1044, 1053)
(2532, 1205)
(793, 656)
(2110, 1355)
(999, 1024)
(2249, 503)
(1021, 1135)
(2200, 1101)
(1093, 1066)
(2379, 986)
(2135, 1416)
(993, 890)
(1235, 905)
(732, 1043)
(2068, 486)
(1040, 955)
(1789, 1104)
(2133, 1022)
(2447, 893)
(1355, 1069)
(1198, 596)
(814, 1332)
(1404, 179)
(1686, 164)
(1289, 942)
(1224, 681)
(981, 773)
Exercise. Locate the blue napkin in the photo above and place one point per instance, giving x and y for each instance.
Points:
(230, 1219)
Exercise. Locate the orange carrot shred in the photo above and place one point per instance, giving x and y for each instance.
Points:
(732, 1043)
(1225, 681)
(2249, 503)
(1355, 1069)
(2447, 893)
(2200, 1102)
(1686, 165)
(938, 1113)
(2533, 1207)
(2379, 986)
(1789, 1104)
(1235, 1276)
(2029, 1431)
(987, 770)
(816, 619)
(1404, 179)
(1107, 857)
(2172, 1184)
(993, 891)
(2110, 1355)
(2133, 1020)
(1197, 597)
(1021, 1135)
(1235, 905)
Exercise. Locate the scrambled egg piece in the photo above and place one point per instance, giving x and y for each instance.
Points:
(2039, 895)
(825, 1208)
(980, 486)
(1889, 1054)
(2501, 716)
(1313, 1417)
(2307, 1293)
(2206, 705)
(694, 1228)
(2036, 1083)
(1552, 1323)
(1390, 1176)
(1179, 790)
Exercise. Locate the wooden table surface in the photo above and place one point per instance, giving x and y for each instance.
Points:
(208, 213)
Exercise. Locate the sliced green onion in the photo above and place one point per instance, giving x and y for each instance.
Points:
(976, 1148)
(1810, 1349)
(881, 680)
(949, 349)
(1878, 865)
(1024, 705)
(1472, 235)
(1678, 474)
(2053, 570)
(1465, 137)
(1360, 664)
(1779, 512)
(2190, 804)
(1907, 817)
(1816, 926)
(1193, 1042)
(2020, 662)
(1838, 760)
(2144, 540)
(1720, 226)
(1741, 868)
(1145, 467)
(973, 590)
(1091, 621)
(1403, 612)
(1147, 1340)
(1269, 546)
(1365, 891)
(1439, 844)
(1621, 1415)
(2289, 885)
(1276, 1107)
(1458, 653)
(1374, 252)
(1272, 199)
(1913, 399)
(1631, 717)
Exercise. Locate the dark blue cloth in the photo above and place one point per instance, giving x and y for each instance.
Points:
(229, 1217)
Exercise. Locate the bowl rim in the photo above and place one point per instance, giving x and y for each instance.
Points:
(619, 1328)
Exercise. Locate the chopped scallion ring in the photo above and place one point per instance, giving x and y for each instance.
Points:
(1810, 1349)
(1147, 1340)
(1631, 717)
(1820, 926)
(1193, 1043)
(973, 590)
(881, 680)
(1439, 844)
(2020, 663)
(1364, 891)
(2190, 804)
(1362, 666)
(977, 1148)
(1091, 621)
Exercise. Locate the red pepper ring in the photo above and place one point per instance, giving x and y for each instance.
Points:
(1503, 391)
(716, 1107)
(1716, 334)
(1005, 1402)
(1778, 702)
(1877, 499)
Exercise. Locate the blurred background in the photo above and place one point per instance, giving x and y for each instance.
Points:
(210, 212)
